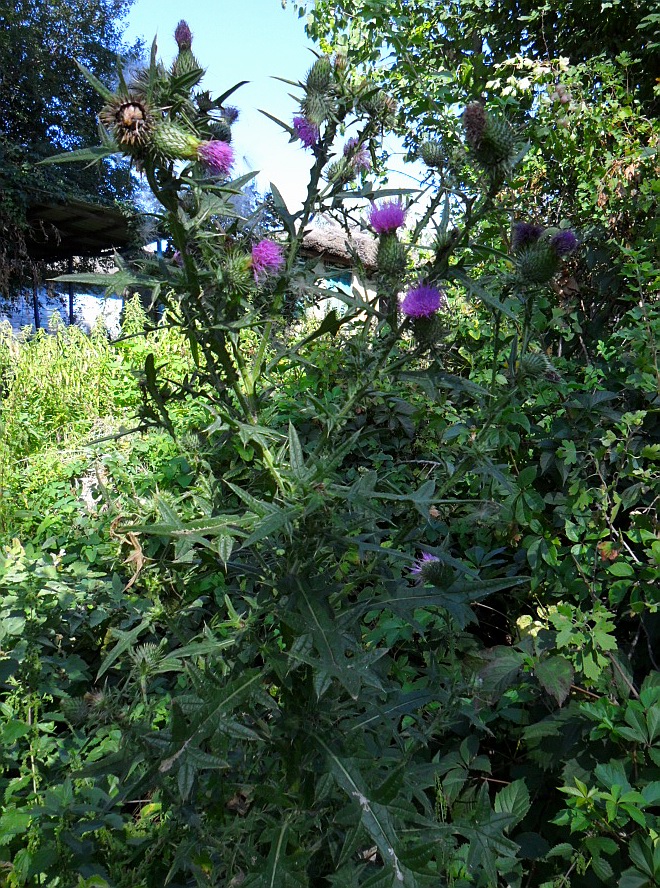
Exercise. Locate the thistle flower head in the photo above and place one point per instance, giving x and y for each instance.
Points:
(386, 218)
(230, 114)
(129, 120)
(305, 130)
(419, 565)
(422, 301)
(183, 35)
(358, 155)
(474, 123)
(267, 258)
(523, 234)
(216, 155)
(564, 242)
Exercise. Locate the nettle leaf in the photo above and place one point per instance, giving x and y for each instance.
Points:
(555, 675)
(513, 799)
(502, 670)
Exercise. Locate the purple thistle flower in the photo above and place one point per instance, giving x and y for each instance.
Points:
(418, 567)
(183, 35)
(230, 114)
(267, 258)
(218, 156)
(422, 301)
(358, 155)
(306, 130)
(564, 242)
(386, 218)
(523, 234)
(177, 258)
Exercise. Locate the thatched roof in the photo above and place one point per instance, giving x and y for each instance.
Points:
(332, 244)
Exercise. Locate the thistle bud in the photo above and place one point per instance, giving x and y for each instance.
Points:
(491, 139)
(340, 172)
(236, 274)
(318, 78)
(220, 129)
(391, 257)
(431, 153)
(341, 62)
(174, 143)
(186, 63)
(316, 107)
(429, 569)
(183, 35)
(537, 263)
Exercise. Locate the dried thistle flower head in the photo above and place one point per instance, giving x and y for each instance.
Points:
(129, 120)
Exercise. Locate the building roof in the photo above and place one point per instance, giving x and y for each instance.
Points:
(75, 228)
(336, 247)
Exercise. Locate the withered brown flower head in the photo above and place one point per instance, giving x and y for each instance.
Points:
(474, 123)
(128, 119)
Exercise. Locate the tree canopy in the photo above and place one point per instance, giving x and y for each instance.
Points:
(47, 105)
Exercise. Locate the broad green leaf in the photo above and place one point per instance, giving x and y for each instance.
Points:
(642, 855)
(632, 878)
(555, 675)
(513, 799)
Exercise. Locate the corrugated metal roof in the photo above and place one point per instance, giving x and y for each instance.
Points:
(75, 228)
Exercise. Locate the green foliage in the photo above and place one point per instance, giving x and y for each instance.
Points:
(356, 606)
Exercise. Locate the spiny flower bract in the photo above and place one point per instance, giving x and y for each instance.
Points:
(418, 566)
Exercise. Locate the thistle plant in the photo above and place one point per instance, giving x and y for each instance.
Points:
(321, 728)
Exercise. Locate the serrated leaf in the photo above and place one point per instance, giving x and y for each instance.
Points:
(483, 295)
(224, 545)
(285, 126)
(100, 88)
(126, 640)
(296, 457)
(375, 818)
(81, 155)
(513, 799)
(555, 675)
(602, 869)
(632, 878)
(213, 717)
(564, 849)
